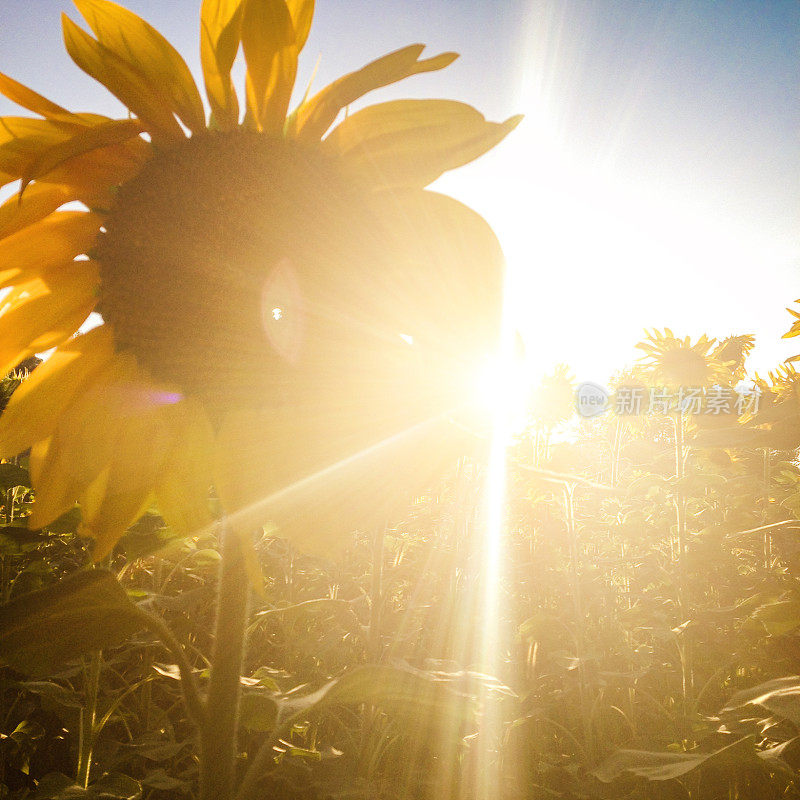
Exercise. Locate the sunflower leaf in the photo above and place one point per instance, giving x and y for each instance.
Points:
(410, 696)
(658, 766)
(86, 611)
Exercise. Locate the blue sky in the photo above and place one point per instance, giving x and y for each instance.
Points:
(655, 181)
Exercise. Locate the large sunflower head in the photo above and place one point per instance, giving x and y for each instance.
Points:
(283, 300)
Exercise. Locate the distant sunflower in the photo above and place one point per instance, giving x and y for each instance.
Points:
(278, 297)
(674, 362)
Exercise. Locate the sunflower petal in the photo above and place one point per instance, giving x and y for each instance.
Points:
(43, 313)
(53, 241)
(451, 310)
(219, 43)
(146, 51)
(123, 81)
(27, 98)
(37, 202)
(94, 138)
(36, 406)
(315, 116)
(302, 12)
(183, 484)
(23, 138)
(412, 142)
(92, 175)
(88, 437)
(55, 492)
(270, 51)
(113, 515)
(124, 491)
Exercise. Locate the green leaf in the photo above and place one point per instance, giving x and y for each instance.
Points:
(53, 691)
(784, 757)
(57, 786)
(159, 751)
(780, 617)
(158, 779)
(409, 696)
(14, 540)
(258, 711)
(780, 697)
(115, 786)
(11, 475)
(27, 731)
(655, 766)
(86, 611)
(66, 523)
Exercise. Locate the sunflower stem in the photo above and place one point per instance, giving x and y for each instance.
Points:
(191, 693)
(88, 719)
(218, 737)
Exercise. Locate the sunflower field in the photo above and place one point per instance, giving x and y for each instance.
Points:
(259, 535)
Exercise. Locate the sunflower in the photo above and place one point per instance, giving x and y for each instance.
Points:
(677, 362)
(286, 308)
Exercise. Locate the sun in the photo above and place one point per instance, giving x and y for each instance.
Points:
(502, 386)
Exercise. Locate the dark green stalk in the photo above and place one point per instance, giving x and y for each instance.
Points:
(218, 734)
(376, 598)
(686, 650)
(88, 719)
(191, 694)
(580, 647)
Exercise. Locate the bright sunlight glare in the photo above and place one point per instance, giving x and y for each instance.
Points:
(598, 251)
(503, 385)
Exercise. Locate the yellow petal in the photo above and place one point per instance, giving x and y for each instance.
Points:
(182, 487)
(89, 139)
(219, 42)
(55, 490)
(440, 274)
(124, 490)
(25, 141)
(86, 437)
(27, 98)
(37, 202)
(412, 142)
(22, 139)
(302, 12)
(14, 130)
(53, 241)
(114, 515)
(316, 115)
(123, 81)
(36, 406)
(44, 312)
(270, 51)
(92, 175)
(146, 51)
